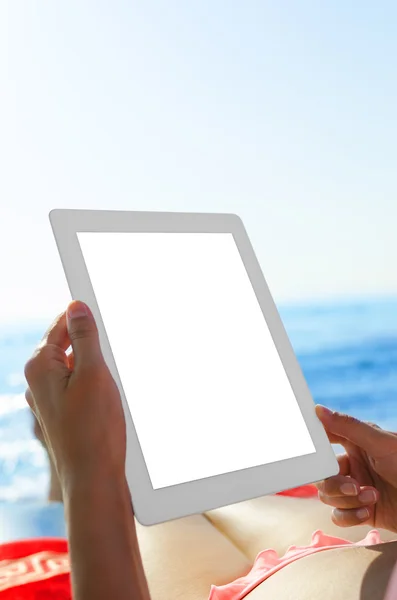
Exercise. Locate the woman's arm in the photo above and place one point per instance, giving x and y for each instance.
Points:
(78, 406)
(104, 552)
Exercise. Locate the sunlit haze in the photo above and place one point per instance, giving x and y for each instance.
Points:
(282, 112)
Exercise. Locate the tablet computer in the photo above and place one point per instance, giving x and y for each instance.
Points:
(217, 407)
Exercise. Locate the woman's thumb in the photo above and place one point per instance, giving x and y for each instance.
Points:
(83, 334)
(373, 440)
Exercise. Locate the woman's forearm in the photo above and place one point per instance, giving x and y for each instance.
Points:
(103, 546)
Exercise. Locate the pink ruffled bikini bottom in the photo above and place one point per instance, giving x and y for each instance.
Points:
(268, 562)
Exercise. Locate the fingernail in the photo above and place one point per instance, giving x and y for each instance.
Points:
(367, 496)
(349, 489)
(362, 514)
(76, 310)
(323, 411)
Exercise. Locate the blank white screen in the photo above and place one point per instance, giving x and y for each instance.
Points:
(203, 380)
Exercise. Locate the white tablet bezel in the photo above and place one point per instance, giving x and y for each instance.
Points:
(155, 506)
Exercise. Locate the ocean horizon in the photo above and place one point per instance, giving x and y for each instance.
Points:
(347, 351)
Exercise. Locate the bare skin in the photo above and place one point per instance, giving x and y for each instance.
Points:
(181, 559)
(227, 540)
(55, 490)
(88, 455)
(365, 491)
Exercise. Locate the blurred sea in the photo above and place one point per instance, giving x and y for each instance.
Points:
(348, 353)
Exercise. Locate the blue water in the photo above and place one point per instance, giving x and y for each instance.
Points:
(348, 353)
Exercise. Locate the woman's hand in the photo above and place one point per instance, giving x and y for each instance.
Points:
(76, 400)
(365, 491)
(78, 406)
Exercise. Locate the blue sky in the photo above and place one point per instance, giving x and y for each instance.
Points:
(284, 112)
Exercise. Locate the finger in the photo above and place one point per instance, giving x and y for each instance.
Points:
(344, 469)
(83, 334)
(339, 486)
(48, 364)
(57, 333)
(368, 496)
(352, 517)
(344, 464)
(375, 425)
(49, 354)
(335, 439)
(371, 439)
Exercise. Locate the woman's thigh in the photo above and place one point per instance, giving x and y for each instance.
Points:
(279, 522)
(183, 558)
(351, 573)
